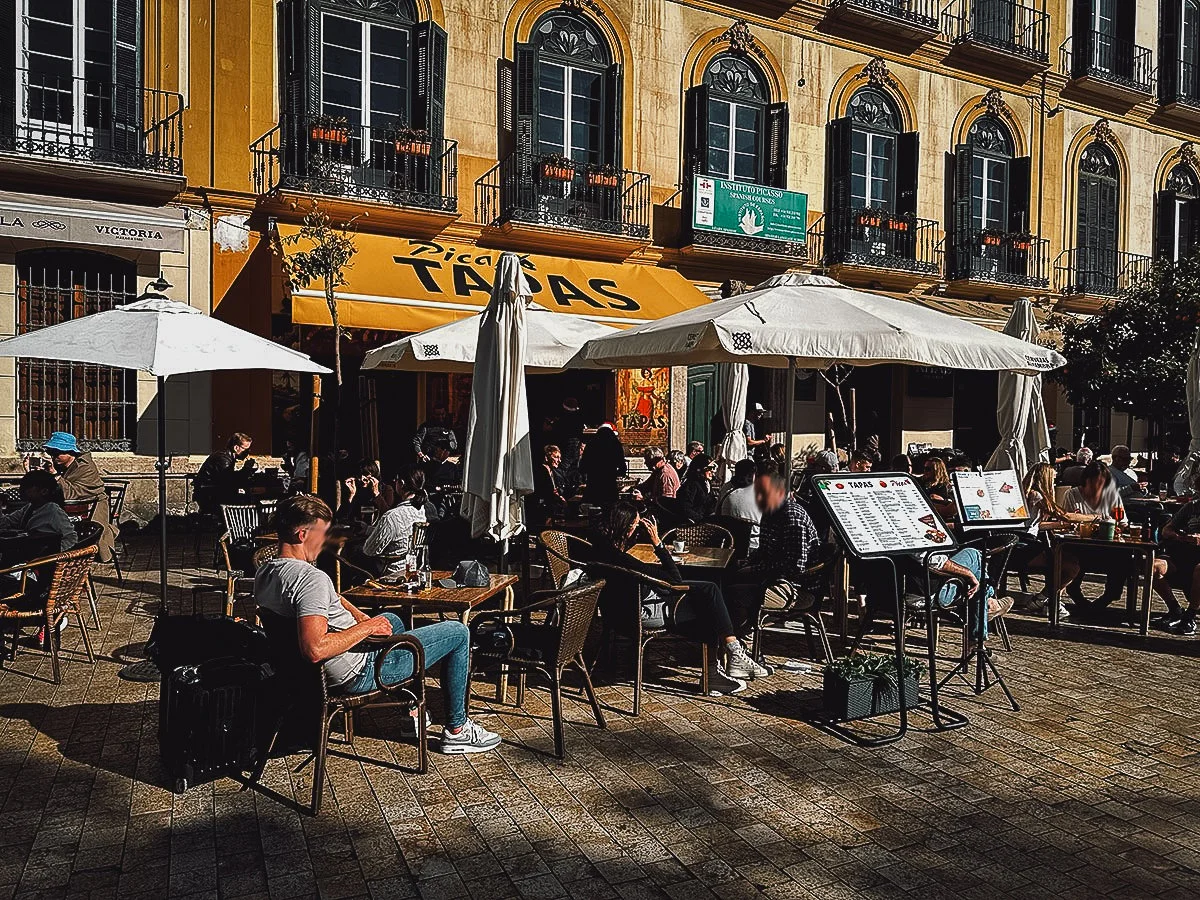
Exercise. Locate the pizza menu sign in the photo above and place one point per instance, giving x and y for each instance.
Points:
(990, 497)
(883, 514)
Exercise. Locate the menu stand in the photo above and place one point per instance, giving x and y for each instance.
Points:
(943, 719)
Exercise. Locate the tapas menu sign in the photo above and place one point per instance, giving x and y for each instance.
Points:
(882, 514)
(990, 498)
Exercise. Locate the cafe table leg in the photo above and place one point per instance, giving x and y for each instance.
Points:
(1055, 583)
(1147, 578)
(843, 608)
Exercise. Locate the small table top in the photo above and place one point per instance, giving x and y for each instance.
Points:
(700, 557)
(1126, 542)
(456, 599)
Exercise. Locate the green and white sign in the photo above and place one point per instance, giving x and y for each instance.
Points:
(752, 210)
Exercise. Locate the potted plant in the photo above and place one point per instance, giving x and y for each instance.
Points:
(330, 129)
(1020, 242)
(867, 684)
(602, 176)
(412, 141)
(894, 223)
(991, 238)
(557, 168)
(869, 218)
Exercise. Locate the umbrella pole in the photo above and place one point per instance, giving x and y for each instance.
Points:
(161, 465)
(789, 400)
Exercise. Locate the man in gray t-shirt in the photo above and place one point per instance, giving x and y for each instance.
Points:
(331, 631)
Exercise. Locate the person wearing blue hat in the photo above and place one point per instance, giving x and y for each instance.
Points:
(81, 481)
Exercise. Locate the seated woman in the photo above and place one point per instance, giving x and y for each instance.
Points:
(389, 538)
(1033, 553)
(365, 491)
(936, 481)
(702, 616)
(41, 513)
(696, 498)
(1181, 568)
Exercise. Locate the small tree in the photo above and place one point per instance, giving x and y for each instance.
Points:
(330, 249)
(1132, 355)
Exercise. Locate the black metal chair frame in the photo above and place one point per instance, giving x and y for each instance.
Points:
(792, 606)
(116, 491)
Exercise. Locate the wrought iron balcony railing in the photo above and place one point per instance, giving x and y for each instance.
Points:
(1020, 29)
(535, 189)
(91, 121)
(875, 238)
(1000, 258)
(326, 156)
(1104, 273)
(1179, 82)
(1116, 60)
(922, 14)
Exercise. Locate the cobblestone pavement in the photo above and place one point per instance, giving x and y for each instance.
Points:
(1089, 791)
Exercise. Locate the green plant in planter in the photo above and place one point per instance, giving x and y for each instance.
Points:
(867, 684)
(876, 667)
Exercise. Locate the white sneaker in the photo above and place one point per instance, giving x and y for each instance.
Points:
(473, 738)
(720, 684)
(742, 666)
(1063, 611)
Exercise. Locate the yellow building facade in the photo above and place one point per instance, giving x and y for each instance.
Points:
(642, 156)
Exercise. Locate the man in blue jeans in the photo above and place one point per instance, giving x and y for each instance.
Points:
(331, 630)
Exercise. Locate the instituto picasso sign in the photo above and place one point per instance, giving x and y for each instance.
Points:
(751, 210)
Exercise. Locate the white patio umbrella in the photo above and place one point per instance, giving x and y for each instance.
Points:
(1182, 482)
(163, 337)
(735, 383)
(809, 321)
(498, 463)
(551, 339)
(1020, 410)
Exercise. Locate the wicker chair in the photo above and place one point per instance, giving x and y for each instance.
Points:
(702, 534)
(116, 491)
(307, 694)
(33, 604)
(238, 582)
(636, 630)
(800, 601)
(548, 647)
(559, 561)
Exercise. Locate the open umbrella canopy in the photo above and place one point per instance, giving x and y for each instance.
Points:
(551, 339)
(159, 336)
(816, 322)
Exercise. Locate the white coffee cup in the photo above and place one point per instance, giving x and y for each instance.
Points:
(679, 546)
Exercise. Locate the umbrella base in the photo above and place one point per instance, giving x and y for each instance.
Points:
(144, 672)
(131, 653)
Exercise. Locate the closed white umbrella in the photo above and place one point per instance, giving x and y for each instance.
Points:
(1020, 410)
(735, 383)
(1187, 469)
(498, 460)
(552, 338)
(163, 337)
(814, 322)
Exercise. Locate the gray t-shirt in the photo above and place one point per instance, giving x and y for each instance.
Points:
(293, 588)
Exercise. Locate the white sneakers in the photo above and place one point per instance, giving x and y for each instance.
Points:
(473, 738)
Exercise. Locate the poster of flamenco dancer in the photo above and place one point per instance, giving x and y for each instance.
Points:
(643, 408)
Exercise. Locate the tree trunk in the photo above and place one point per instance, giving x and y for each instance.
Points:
(337, 393)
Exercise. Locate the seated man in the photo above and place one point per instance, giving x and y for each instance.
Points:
(548, 501)
(80, 479)
(1125, 479)
(861, 461)
(1181, 569)
(440, 470)
(702, 616)
(41, 513)
(1096, 497)
(330, 630)
(663, 480)
(219, 479)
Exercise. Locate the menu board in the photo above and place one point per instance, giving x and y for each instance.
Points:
(990, 498)
(880, 514)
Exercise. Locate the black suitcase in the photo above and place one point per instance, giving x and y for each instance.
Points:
(209, 720)
(212, 701)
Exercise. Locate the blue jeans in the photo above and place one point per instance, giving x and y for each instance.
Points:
(971, 559)
(447, 641)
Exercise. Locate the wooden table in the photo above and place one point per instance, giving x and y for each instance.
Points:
(1143, 551)
(697, 557)
(459, 601)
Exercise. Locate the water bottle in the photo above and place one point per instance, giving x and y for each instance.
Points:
(426, 572)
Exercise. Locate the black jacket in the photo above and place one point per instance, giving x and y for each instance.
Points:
(602, 463)
(620, 595)
(697, 501)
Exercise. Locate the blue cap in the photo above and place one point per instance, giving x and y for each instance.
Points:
(62, 442)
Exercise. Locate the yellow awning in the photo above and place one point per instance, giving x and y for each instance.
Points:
(410, 285)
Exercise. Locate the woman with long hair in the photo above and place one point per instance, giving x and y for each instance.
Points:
(702, 614)
(390, 537)
(1033, 553)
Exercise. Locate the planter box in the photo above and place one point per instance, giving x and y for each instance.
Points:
(330, 134)
(557, 172)
(413, 147)
(861, 699)
(602, 179)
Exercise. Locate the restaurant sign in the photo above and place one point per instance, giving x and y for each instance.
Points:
(750, 210)
(97, 224)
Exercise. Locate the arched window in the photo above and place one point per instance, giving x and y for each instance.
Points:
(990, 147)
(1177, 213)
(567, 91)
(731, 128)
(872, 176)
(1097, 218)
(96, 403)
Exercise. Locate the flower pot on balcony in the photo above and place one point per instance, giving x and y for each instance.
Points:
(897, 225)
(991, 240)
(603, 178)
(869, 219)
(330, 134)
(1020, 243)
(413, 146)
(557, 170)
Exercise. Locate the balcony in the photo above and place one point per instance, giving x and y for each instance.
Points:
(905, 21)
(999, 263)
(413, 176)
(92, 135)
(1179, 90)
(528, 199)
(1002, 37)
(1108, 67)
(875, 240)
(1088, 273)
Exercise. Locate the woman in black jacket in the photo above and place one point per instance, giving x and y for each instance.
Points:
(602, 463)
(696, 498)
(701, 616)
